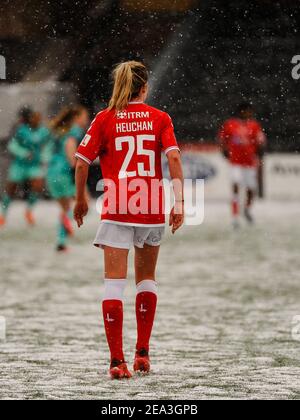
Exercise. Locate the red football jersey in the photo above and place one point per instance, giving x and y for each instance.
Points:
(129, 144)
(242, 140)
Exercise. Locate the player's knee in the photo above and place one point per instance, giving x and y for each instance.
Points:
(10, 190)
(37, 186)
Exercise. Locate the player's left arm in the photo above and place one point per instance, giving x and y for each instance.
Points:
(47, 148)
(222, 139)
(175, 167)
(261, 141)
(172, 151)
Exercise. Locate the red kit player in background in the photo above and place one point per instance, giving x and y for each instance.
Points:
(243, 143)
(129, 137)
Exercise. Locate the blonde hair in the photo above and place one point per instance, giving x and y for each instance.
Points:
(129, 78)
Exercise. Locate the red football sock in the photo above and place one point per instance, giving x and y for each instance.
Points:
(146, 302)
(113, 322)
(235, 206)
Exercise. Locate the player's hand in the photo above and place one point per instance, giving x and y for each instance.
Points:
(80, 211)
(177, 216)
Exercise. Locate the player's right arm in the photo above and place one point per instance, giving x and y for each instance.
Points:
(15, 147)
(87, 152)
(81, 207)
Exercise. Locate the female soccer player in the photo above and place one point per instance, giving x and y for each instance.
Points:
(243, 142)
(26, 147)
(67, 132)
(129, 137)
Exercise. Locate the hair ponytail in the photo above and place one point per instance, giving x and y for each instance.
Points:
(129, 78)
(62, 123)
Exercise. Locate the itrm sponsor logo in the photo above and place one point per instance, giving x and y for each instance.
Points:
(2, 67)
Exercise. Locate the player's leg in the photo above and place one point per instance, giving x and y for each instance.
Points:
(62, 189)
(115, 268)
(250, 178)
(249, 198)
(146, 301)
(7, 197)
(235, 204)
(36, 188)
(235, 201)
(248, 205)
(65, 228)
(16, 176)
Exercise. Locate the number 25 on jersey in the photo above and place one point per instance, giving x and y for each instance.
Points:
(135, 149)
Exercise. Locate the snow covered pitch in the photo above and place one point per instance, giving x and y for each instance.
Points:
(226, 325)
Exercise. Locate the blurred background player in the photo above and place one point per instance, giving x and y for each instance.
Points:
(27, 167)
(67, 131)
(243, 143)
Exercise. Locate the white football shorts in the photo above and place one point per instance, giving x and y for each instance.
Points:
(124, 237)
(244, 176)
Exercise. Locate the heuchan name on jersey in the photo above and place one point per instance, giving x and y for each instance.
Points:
(130, 127)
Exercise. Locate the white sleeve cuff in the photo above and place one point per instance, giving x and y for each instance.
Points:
(85, 159)
(171, 148)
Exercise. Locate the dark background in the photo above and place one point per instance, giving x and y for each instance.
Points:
(205, 56)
